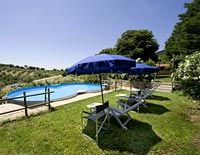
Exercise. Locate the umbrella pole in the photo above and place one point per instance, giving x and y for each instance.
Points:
(101, 87)
(130, 85)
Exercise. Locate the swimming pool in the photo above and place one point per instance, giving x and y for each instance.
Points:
(61, 91)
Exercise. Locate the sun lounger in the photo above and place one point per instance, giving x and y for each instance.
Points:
(132, 99)
(118, 112)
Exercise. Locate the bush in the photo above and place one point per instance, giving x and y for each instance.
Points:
(92, 78)
(188, 75)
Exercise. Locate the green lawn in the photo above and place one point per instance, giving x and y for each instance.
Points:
(163, 78)
(164, 127)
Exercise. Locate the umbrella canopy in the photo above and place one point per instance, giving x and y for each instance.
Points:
(102, 63)
(140, 69)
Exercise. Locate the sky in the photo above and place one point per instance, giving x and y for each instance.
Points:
(55, 34)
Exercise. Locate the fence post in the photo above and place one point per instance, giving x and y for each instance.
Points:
(49, 99)
(25, 104)
(45, 95)
(4, 101)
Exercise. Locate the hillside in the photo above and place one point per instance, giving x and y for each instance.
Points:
(11, 74)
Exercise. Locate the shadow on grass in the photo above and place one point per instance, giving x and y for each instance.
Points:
(138, 139)
(153, 109)
(160, 98)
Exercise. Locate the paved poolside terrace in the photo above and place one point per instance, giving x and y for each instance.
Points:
(14, 115)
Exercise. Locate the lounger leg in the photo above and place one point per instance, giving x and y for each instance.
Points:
(99, 128)
(127, 121)
(121, 124)
(130, 118)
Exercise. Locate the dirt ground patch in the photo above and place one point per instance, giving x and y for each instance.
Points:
(194, 114)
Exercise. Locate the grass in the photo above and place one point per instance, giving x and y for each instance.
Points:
(164, 78)
(166, 126)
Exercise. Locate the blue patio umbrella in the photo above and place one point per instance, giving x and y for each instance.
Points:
(102, 63)
(140, 69)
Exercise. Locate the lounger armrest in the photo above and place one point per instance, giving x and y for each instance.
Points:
(116, 110)
(86, 112)
(123, 105)
(94, 116)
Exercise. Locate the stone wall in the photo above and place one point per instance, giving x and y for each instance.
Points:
(135, 84)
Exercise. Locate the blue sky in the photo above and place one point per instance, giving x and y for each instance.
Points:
(58, 33)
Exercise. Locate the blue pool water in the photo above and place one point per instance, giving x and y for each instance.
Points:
(61, 91)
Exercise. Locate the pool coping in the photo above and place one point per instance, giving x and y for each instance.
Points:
(21, 102)
(78, 92)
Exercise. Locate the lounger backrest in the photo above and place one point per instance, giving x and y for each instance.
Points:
(102, 107)
(149, 92)
(134, 106)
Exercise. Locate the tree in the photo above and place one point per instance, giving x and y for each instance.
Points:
(108, 51)
(138, 44)
(185, 38)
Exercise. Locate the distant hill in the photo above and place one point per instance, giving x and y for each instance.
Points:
(159, 53)
(11, 74)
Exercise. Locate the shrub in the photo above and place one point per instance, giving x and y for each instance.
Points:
(188, 75)
(92, 78)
